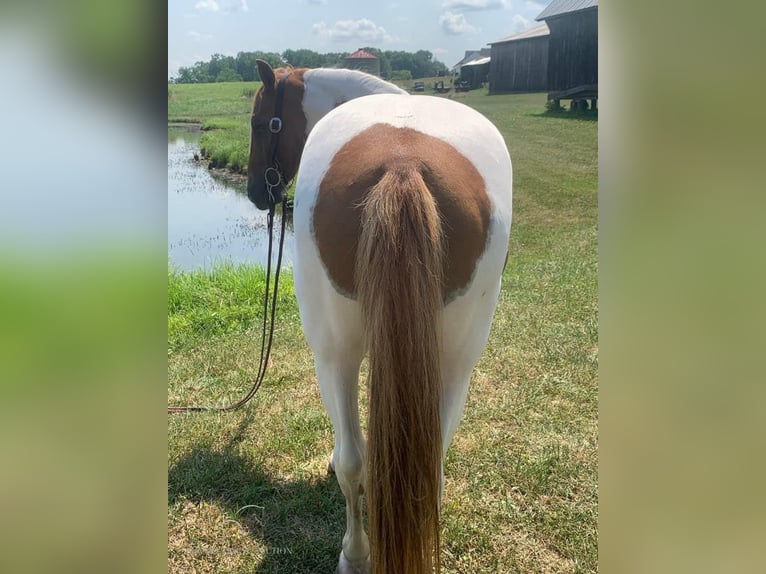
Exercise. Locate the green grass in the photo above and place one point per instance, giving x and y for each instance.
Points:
(248, 491)
(223, 111)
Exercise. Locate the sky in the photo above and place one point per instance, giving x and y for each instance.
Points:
(197, 29)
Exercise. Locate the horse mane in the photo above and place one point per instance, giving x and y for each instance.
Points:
(283, 71)
(366, 82)
(330, 87)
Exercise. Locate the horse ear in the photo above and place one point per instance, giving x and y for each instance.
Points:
(266, 74)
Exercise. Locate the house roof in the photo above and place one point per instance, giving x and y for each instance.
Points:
(561, 7)
(536, 32)
(361, 55)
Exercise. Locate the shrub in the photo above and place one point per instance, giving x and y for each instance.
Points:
(401, 75)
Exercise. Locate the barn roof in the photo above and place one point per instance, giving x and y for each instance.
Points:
(478, 62)
(536, 32)
(561, 7)
(470, 56)
(361, 55)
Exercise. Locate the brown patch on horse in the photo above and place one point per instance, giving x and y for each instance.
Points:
(293, 136)
(454, 182)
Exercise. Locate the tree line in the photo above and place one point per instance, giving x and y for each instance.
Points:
(393, 65)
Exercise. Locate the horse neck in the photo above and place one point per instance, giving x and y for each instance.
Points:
(326, 89)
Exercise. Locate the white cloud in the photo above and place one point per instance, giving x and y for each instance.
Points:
(207, 6)
(198, 36)
(362, 29)
(456, 24)
(473, 5)
(534, 6)
(520, 23)
(223, 6)
(439, 51)
(317, 2)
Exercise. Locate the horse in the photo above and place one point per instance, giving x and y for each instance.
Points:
(402, 218)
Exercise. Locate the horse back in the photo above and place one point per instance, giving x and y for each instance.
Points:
(462, 160)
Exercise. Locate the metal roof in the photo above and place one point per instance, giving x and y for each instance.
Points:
(560, 7)
(478, 62)
(541, 30)
(470, 56)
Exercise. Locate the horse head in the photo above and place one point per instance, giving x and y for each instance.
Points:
(277, 134)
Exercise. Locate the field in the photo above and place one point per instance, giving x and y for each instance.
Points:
(248, 491)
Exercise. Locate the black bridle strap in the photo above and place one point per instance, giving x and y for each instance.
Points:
(265, 344)
(274, 167)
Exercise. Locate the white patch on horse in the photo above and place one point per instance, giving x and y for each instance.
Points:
(326, 89)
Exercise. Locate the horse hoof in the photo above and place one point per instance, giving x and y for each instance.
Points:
(345, 567)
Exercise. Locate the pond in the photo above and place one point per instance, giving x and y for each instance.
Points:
(211, 221)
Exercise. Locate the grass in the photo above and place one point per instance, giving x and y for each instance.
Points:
(223, 111)
(248, 491)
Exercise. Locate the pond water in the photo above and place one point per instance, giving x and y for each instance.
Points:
(211, 221)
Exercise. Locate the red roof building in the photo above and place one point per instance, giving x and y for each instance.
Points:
(361, 54)
(363, 61)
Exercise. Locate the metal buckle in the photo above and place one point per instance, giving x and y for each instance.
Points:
(275, 173)
(275, 125)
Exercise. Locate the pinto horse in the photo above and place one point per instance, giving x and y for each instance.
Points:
(402, 216)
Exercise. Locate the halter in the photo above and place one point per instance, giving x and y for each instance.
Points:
(273, 174)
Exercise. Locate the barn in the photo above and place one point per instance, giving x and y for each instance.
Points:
(473, 68)
(364, 61)
(470, 56)
(475, 72)
(572, 51)
(519, 63)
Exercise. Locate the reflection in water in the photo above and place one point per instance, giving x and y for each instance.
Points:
(210, 221)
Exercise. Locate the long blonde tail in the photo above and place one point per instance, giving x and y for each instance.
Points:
(399, 270)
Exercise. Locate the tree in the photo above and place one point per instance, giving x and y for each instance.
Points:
(401, 75)
(223, 68)
(303, 58)
(218, 63)
(196, 74)
(421, 63)
(400, 60)
(246, 67)
(333, 59)
(228, 75)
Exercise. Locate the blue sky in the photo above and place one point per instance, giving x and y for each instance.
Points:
(199, 28)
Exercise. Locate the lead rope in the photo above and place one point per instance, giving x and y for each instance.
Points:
(265, 347)
(274, 178)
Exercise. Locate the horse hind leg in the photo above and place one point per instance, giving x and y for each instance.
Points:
(338, 383)
(460, 356)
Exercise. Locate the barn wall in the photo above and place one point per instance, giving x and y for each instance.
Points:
(573, 50)
(476, 75)
(519, 66)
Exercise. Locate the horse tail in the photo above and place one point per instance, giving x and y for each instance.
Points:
(399, 283)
